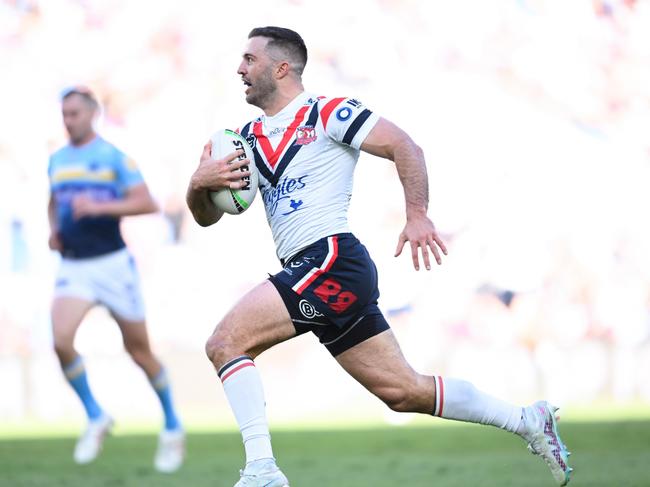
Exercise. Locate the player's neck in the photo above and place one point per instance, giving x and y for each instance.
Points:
(83, 141)
(282, 99)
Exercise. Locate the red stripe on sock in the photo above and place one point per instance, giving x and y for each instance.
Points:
(441, 392)
(239, 367)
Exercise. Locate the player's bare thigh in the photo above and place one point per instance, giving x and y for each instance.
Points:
(379, 365)
(67, 313)
(258, 321)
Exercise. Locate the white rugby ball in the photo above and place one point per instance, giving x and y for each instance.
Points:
(234, 201)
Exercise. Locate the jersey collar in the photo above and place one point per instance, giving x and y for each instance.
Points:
(289, 110)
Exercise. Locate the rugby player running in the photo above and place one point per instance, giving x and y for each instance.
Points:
(305, 148)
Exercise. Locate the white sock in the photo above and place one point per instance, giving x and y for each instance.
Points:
(243, 386)
(460, 400)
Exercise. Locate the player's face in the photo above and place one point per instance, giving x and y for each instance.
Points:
(78, 118)
(256, 70)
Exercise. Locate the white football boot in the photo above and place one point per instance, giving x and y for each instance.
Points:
(262, 473)
(90, 442)
(541, 433)
(171, 451)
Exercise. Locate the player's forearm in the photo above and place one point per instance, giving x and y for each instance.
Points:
(389, 141)
(412, 171)
(133, 205)
(198, 201)
(51, 216)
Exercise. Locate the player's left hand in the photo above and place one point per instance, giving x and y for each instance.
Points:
(83, 206)
(421, 233)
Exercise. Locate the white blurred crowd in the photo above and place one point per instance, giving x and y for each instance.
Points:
(533, 115)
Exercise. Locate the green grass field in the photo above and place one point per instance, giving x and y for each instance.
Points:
(607, 454)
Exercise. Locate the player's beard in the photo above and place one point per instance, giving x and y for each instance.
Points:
(79, 136)
(263, 90)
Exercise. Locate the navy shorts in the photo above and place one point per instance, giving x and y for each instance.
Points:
(330, 288)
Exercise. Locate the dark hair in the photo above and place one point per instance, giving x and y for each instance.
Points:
(82, 91)
(288, 41)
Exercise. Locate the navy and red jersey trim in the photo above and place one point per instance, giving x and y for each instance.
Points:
(328, 109)
(272, 156)
(273, 176)
(355, 126)
(271, 163)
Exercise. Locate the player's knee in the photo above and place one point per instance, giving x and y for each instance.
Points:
(140, 356)
(218, 349)
(63, 347)
(400, 398)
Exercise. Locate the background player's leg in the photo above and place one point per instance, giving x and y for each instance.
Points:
(136, 343)
(171, 442)
(67, 314)
(257, 322)
(379, 365)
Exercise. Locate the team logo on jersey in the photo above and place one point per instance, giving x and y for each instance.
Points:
(284, 191)
(295, 205)
(305, 135)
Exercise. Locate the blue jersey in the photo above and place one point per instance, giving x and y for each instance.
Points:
(101, 172)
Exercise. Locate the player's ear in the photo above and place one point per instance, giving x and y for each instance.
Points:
(282, 70)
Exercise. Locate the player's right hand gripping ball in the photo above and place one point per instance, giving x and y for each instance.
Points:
(234, 201)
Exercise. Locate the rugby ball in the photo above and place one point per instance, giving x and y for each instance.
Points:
(234, 201)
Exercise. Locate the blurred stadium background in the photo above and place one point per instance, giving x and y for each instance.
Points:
(534, 118)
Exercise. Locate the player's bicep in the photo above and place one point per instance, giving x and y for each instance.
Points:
(383, 139)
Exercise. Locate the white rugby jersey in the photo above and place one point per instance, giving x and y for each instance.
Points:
(306, 156)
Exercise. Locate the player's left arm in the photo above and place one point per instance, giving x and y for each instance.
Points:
(136, 201)
(387, 140)
(136, 198)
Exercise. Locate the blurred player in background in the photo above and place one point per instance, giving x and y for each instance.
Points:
(305, 148)
(92, 185)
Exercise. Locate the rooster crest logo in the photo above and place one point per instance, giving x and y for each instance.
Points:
(305, 135)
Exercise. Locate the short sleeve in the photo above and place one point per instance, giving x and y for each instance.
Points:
(347, 120)
(127, 170)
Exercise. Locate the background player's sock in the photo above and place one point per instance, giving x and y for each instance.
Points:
(75, 373)
(160, 384)
(460, 400)
(243, 386)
